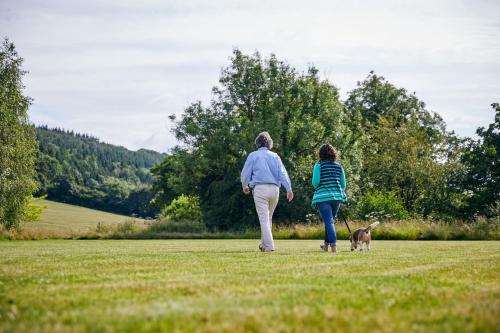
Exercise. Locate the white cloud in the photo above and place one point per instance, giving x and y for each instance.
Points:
(118, 69)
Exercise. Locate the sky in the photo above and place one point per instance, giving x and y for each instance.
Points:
(117, 69)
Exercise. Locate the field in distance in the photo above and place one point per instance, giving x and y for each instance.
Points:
(63, 217)
(229, 286)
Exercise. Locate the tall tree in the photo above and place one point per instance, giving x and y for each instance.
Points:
(17, 139)
(407, 149)
(300, 111)
(482, 161)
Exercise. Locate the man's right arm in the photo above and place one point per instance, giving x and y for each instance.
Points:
(342, 179)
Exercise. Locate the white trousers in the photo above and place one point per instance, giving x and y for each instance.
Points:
(266, 198)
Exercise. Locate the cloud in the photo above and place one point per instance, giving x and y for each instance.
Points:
(118, 69)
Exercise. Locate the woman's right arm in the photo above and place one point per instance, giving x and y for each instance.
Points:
(342, 178)
(316, 175)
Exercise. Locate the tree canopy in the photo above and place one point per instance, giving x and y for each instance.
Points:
(482, 162)
(406, 150)
(398, 155)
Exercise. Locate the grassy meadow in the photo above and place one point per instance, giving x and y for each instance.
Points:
(60, 220)
(229, 286)
(64, 217)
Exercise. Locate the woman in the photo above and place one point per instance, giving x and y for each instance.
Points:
(265, 173)
(328, 181)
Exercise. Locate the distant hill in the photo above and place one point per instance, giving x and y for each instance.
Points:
(79, 169)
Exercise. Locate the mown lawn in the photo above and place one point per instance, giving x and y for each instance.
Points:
(228, 286)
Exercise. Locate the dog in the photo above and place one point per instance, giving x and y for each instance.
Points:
(362, 235)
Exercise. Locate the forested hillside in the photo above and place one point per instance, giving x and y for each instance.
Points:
(79, 169)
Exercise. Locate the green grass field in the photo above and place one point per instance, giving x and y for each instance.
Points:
(60, 217)
(228, 286)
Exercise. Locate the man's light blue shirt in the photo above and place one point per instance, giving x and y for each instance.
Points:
(265, 167)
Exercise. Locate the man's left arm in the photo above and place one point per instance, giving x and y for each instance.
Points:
(285, 180)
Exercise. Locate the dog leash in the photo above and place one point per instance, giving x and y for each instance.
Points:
(345, 221)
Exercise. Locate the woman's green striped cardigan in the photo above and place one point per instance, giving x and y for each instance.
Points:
(329, 182)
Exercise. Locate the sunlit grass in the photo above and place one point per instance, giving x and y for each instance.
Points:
(60, 220)
(64, 217)
(228, 286)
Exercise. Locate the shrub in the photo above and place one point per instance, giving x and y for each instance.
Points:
(493, 210)
(102, 228)
(381, 205)
(483, 228)
(182, 208)
(127, 227)
(33, 211)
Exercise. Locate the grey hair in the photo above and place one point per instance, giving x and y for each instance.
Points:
(264, 140)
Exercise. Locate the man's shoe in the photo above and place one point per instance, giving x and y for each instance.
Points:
(324, 247)
(334, 248)
(263, 249)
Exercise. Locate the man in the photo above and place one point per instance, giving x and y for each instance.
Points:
(265, 173)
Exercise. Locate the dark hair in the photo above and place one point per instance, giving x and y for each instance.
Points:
(264, 140)
(327, 153)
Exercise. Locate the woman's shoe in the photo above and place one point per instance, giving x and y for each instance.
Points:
(334, 248)
(324, 247)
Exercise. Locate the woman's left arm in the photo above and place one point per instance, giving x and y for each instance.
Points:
(316, 175)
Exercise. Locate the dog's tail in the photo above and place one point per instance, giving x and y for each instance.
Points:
(373, 225)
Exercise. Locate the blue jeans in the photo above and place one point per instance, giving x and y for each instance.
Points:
(328, 211)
